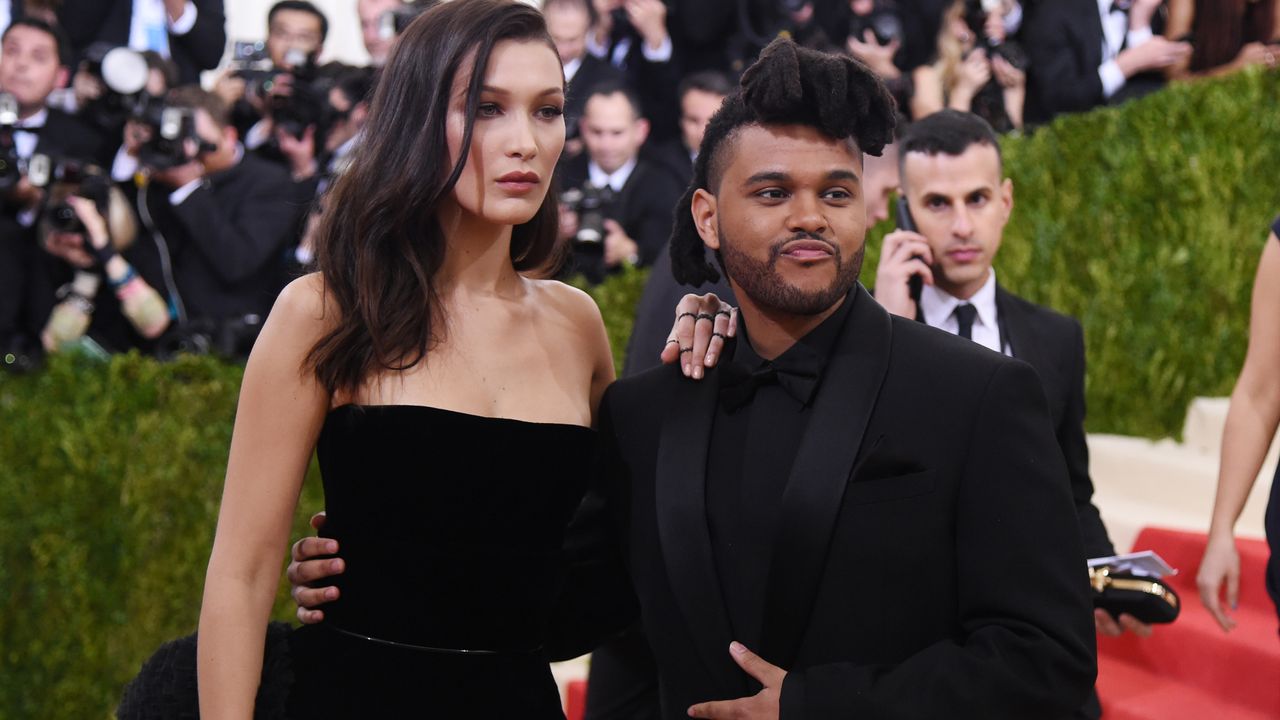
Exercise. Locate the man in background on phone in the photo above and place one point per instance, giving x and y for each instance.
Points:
(957, 203)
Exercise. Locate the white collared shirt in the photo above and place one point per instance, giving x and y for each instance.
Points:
(571, 68)
(149, 25)
(4, 15)
(939, 311)
(620, 51)
(1115, 32)
(615, 181)
(25, 142)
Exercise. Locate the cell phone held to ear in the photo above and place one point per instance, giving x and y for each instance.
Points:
(905, 222)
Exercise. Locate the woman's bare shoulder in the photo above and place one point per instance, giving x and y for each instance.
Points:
(576, 305)
(303, 312)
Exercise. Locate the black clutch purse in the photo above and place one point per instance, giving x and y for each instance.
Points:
(1150, 600)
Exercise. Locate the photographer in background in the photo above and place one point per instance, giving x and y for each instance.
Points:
(224, 218)
(296, 31)
(977, 69)
(191, 33)
(32, 65)
(103, 293)
(568, 22)
(615, 206)
(382, 21)
(632, 36)
(700, 96)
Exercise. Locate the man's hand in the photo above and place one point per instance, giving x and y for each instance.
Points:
(230, 87)
(87, 88)
(903, 255)
(1108, 625)
(975, 72)
(1009, 77)
(136, 135)
(26, 196)
(876, 56)
(763, 704)
(649, 17)
(1155, 54)
(300, 152)
(618, 245)
(73, 248)
(568, 223)
(703, 323)
(308, 565)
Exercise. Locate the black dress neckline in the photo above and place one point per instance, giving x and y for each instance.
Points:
(455, 413)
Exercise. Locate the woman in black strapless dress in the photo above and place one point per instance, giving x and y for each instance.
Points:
(448, 393)
(1251, 424)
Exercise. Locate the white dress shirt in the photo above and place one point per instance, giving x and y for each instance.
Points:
(615, 180)
(4, 15)
(149, 25)
(25, 145)
(571, 68)
(939, 311)
(1115, 31)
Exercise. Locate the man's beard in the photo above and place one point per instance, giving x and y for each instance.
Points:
(761, 282)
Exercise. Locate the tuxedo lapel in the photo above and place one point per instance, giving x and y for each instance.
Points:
(680, 499)
(1017, 326)
(811, 502)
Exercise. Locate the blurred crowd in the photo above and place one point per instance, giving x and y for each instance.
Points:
(142, 210)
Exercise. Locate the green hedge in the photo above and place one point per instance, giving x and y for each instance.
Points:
(1146, 222)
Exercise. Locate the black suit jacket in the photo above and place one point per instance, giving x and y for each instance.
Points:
(228, 239)
(90, 21)
(592, 72)
(1053, 344)
(1064, 51)
(927, 564)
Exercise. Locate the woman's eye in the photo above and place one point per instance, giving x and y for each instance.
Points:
(550, 112)
(488, 110)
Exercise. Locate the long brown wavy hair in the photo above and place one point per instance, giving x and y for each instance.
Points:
(380, 244)
(1223, 27)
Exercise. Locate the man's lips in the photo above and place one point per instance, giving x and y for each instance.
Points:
(964, 254)
(807, 250)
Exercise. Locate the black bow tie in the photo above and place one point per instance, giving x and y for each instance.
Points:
(739, 384)
(34, 130)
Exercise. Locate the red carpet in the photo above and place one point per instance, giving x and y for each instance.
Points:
(1191, 669)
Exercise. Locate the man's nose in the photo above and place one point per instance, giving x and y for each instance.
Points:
(806, 214)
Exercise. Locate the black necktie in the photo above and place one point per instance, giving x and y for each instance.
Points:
(739, 384)
(964, 317)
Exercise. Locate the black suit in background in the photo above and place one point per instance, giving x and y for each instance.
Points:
(925, 564)
(1064, 42)
(227, 240)
(26, 293)
(644, 208)
(1053, 344)
(90, 21)
(593, 71)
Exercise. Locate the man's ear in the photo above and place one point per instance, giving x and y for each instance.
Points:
(1006, 197)
(642, 129)
(704, 211)
(63, 77)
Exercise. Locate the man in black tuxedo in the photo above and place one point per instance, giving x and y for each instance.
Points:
(33, 63)
(632, 36)
(568, 22)
(1086, 53)
(951, 173)
(192, 33)
(879, 562)
(638, 218)
(225, 218)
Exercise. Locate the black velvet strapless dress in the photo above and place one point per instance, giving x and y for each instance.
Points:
(451, 526)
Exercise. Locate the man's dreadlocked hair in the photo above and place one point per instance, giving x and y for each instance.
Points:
(788, 85)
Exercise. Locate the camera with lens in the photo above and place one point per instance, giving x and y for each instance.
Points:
(593, 205)
(10, 163)
(123, 75)
(882, 21)
(976, 13)
(308, 104)
(394, 22)
(231, 338)
(171, 128)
